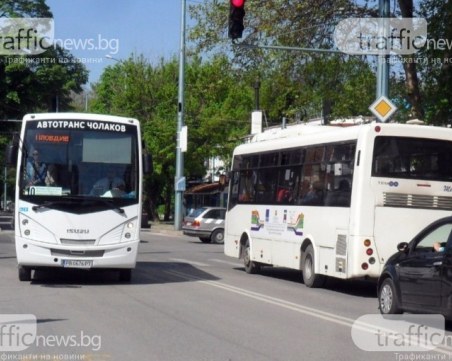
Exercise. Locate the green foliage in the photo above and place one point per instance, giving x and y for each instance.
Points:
(436, 70)
(311, 83)
(39, 82)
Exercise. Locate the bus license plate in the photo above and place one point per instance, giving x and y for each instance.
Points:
(77, 263)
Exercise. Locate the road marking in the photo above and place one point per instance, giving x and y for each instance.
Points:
(181, 260)
(310, 311)
(235, 264)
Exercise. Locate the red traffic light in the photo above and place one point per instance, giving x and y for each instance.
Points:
(236, 15)
(237, 3)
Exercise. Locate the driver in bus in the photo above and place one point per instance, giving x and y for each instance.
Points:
(36, 170)
(109, 183)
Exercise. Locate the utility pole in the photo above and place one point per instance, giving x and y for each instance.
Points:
(383, 63)
(179, 181)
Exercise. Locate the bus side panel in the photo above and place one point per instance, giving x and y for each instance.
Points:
(234, 227)
(278, 232)
(394, 225)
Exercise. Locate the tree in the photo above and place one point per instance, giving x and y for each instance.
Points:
(411, 79)
(307, 84)
(310, 24)
(436, 70)
(30, 83)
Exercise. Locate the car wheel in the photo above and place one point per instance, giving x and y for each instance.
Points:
(251, 267)
(204, 239)
(311, 279)
(388, 301)
(24, 274)
(217, 236)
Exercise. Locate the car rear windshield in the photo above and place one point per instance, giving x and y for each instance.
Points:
(196, 212)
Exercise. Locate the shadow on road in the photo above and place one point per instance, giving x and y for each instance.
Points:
(357, 288)
(144, 273)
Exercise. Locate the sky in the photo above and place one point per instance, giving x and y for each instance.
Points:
(93, 29)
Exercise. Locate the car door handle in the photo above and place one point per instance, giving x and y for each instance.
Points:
(437, 264)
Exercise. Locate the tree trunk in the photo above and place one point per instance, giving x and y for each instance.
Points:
(411, 79)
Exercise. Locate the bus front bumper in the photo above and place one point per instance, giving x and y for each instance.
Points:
(35, 254)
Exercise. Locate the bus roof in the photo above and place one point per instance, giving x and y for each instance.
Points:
(301, 134)
(79, 116)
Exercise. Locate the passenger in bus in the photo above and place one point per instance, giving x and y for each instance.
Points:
(36, 170)
(341, 196)
(284, 195)
(51, 176)
(110, 182)
(314, 196)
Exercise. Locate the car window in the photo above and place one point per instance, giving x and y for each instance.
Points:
(215, 214)
(439, 235)
(211, 214)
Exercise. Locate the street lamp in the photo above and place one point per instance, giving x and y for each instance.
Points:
(108, 56)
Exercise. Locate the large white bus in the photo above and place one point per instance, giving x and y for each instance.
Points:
(335, 201)
(78, 192)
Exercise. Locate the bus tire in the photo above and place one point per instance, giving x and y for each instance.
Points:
(311, 279)
(24, 274)
(251, 267)
(388, 302)
(217, 236)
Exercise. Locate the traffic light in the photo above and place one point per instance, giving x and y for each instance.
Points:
(236, 15)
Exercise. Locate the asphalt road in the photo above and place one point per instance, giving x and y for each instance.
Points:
(186, 301)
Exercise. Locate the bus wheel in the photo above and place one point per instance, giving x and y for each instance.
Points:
(217, 236)
(387, 298)
(24, 274)
(311, 279)
(251, 267)
(125, 275)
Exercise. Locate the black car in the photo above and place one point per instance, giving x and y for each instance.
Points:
(418, 278)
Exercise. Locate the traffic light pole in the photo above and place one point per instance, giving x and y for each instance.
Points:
(179, 183)
(290, 48)
(383, 63)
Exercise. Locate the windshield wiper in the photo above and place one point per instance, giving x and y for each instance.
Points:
(111, 205)
(50, 204)
(44, 205)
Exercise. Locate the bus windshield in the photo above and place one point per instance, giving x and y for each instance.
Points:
(79, 164)
(412, 158)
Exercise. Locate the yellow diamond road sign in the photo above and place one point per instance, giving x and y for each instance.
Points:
(383, 108)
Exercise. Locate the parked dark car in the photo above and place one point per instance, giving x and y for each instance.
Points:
(418, 278)
(206, 223)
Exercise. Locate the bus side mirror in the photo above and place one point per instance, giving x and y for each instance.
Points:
(11, 153)
(148, 166)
